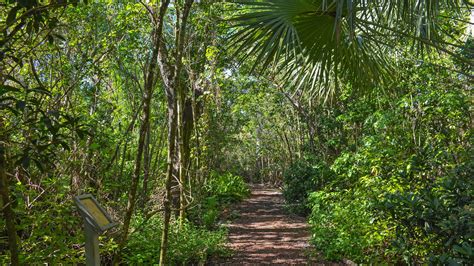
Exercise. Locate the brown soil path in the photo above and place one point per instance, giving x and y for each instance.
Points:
(265, 234)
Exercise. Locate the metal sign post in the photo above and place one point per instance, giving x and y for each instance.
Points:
(96, 222)
(92, 245)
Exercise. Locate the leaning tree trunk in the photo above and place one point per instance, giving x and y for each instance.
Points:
(132, 195)
(147, 95)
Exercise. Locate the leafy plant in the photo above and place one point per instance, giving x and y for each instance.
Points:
(219, 192)
(342, 225)
(187, 245)
(227, 188)
(302, 178)
(404, 194)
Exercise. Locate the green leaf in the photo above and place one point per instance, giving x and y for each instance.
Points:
(8, 107)
(64, 145)
(11, 78)
(27, 3)
(25, 161)
(60, 37)
(6, 88)
(50, 39)
(39, 165)
(12, 15)
(41, 90)
(29, 28)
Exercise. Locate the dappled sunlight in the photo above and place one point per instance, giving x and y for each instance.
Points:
(265, 233)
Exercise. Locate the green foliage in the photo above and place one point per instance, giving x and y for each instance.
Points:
(220, 191)
(342, 225)
(210, 211)
(441, 216)
(188, 245)
(315, 41)
(393, 175)
(227, 188)
(51, 229)
(405, 194)
(299, 180)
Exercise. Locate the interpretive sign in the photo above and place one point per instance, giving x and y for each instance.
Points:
(94, 214)
(96, 221)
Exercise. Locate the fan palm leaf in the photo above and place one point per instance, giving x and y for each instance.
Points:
(315, 41)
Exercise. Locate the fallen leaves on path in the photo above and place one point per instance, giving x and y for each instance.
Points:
(265, 234)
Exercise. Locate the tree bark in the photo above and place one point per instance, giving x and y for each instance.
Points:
(185, 127)
(150, 81)
(146, 166)
(172, 132)
(6, 206)
(132, 195)
(171, 78)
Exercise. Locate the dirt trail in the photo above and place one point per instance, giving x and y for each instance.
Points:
(265, 234)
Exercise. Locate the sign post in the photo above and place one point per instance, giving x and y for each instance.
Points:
(96, 222)
(92, 246)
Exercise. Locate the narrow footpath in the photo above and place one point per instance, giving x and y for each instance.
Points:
(265, 234)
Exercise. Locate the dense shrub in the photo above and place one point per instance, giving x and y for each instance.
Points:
(301, 178)
(343, 227)
(227, 188)
(378, 219)
(220, 191)
(342, 217)
(402, 192)
(441, 216)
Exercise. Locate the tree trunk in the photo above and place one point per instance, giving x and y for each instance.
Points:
(6, 206)
(147, 95)
(185, 127)
(146, 166)
(172, 133)
(158, 158)
(172, 92)
(181, 157)
(132, 195)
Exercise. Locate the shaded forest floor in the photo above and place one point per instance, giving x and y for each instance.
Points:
(264, 233)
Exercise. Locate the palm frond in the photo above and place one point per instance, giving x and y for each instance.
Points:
(318, 41)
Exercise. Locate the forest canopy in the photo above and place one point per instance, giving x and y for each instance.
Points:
(168, 111)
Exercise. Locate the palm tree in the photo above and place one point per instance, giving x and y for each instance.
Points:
(315, 41)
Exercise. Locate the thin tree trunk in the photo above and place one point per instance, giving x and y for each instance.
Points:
(124, 157)
(147, 95)
(158, 157)
(155, 144)
(85, 170)
(146, 165)
(172, 132)
(6, 206)
(181, 158)
(132, 195)
(197, 144)
(172, 91)
(186, 129)
(130, 128)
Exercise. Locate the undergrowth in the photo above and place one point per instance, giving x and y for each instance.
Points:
(200, 238)
(188, 245)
